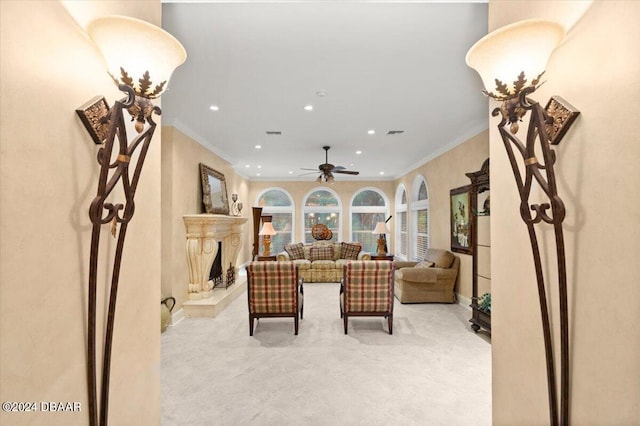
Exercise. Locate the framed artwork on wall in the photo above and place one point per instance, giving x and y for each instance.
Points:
(461, 222)
(214, 191)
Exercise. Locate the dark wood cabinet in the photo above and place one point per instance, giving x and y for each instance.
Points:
(480, 209)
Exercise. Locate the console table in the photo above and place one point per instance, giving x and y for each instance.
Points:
(387, 256)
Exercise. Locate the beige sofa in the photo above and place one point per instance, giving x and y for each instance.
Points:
(321, 271)
(435, 284)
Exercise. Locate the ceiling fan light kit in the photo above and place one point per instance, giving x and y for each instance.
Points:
(327, 170)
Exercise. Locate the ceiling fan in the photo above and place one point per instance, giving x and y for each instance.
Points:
(327, 170)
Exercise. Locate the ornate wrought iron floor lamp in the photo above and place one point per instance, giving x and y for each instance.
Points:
(520, 51)
(152, 53)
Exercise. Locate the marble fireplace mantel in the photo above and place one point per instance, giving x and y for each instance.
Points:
(204, 231)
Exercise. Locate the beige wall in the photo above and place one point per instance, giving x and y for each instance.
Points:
(181, 194)
(597, 70)
(48, 171)
(442, 174)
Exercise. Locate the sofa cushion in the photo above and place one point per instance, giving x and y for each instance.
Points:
(441, 258)
(323, 264)
(321, 253)
(296, 251)
(302, 264)
(350, 251)
(424, 264)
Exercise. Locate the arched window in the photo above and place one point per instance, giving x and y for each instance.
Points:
(321, 206)
(277, 202)
(402, 229)
(368, 207)
(420, 218)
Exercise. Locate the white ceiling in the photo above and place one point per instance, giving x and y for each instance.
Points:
(384, 66)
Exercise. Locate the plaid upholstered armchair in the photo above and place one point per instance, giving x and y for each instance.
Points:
(273, 290)
(367, 290)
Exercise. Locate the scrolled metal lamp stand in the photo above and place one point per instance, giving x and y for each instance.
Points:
(101, 213)
(543, 173)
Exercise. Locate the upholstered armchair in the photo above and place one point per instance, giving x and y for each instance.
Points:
(273, 290)
(431, 281)
(367, 290)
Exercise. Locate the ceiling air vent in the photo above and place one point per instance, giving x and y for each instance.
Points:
(395, 132)
(274, 132)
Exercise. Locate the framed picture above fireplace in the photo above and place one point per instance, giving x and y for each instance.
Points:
(214, 191)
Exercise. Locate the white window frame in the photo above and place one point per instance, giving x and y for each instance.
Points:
(417, 205)
(367, 209)
(401, 208)
(268, 210)
(321, 210)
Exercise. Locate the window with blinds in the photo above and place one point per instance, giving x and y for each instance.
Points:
(420, 218)
(402, 224)
(422, 233)
(403, 243)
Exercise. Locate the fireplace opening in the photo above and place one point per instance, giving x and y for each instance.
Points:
(217, 272)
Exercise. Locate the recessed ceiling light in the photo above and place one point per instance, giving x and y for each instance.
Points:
(247, 166)
(381, 173)
(258, 146)
(351, 165)
(290, 172)
(214, 108)
(358, 152)
(257, 174)
(259, 167)
(308, 108)
(371, 132)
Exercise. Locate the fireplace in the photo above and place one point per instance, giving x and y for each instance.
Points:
(210, 236)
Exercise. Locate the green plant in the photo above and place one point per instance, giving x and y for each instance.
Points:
(484, 302)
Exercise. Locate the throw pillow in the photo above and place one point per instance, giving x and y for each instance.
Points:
(321, 253)
(350, 251)
(443, 259)
(424, 264)
(296, 251)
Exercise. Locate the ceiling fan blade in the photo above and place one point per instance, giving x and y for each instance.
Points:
(315, 170)
(308, 173)
(346, 172)
(336, 168)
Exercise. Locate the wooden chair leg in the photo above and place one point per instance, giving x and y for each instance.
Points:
(390, 320)
(345, 323)
(250, 325)
(296, 324)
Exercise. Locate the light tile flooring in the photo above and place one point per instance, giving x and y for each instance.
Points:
(432, 371)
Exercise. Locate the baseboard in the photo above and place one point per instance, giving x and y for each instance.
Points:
(464, 301)
(177, 317)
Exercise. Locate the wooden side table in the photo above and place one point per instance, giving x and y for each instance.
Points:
(266, 258)
(376, 256)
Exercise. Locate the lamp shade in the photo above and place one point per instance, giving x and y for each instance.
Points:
(381, 228)
(522, 47)
(138, 54)
(267, 229)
